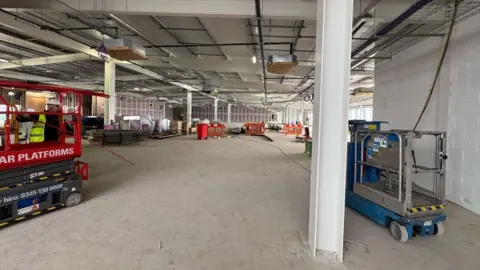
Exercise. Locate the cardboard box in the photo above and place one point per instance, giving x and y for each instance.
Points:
(176, 125)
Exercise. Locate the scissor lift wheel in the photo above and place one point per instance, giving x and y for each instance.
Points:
(399, 232)
(73, 199)
(439, 229)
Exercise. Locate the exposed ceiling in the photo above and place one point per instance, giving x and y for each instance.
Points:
(55, 42)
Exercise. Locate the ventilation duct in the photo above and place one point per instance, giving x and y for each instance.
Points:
(281, 64)
(124, 49)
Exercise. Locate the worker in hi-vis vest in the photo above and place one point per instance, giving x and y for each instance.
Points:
(45, 127)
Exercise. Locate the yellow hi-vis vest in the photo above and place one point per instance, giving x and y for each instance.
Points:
(37, 134)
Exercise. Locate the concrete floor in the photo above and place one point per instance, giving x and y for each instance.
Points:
(215, 204)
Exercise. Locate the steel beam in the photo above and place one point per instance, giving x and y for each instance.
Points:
(46, 60)
(236, 64)
(278, 26)
(211, 36)
(62, 41)
(41, 79)
(239, 84)
(179, 39)
(283, 36)
(203, 8)
(189, 45)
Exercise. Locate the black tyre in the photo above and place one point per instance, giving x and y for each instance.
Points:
(73, 199)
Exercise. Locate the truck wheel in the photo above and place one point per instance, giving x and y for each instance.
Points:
(73, 199)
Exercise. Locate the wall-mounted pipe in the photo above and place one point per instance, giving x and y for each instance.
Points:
(258, 13)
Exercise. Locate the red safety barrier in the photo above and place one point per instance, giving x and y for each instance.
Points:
(255, 129)
(216, 130)
(292, 129)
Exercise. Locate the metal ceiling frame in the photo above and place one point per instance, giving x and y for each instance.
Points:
(396, 30)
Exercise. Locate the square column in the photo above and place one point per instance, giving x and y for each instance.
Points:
(329, 132)
(215, 110)
(110, 107)
(164, 110)
(292, 115)
(301, 117)
(189, 110)
(229, 113)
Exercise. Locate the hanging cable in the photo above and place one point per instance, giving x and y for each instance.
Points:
(440, 63)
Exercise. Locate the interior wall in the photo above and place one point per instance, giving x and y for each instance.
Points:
(239, 114)
(134, 105)
(401, 88)
(35, 102)
(130, 105)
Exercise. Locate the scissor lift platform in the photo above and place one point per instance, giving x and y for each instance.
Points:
(37, 177)
(33, 190)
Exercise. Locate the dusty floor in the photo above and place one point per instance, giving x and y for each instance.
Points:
(215, 204)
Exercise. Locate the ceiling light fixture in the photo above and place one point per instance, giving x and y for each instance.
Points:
(4, 60)
(254, 59)
(136, 89)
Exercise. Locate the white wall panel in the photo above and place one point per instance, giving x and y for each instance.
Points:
(401, 88)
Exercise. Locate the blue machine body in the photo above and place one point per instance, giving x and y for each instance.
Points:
(415, 225)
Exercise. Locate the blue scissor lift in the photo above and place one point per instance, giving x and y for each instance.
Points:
(381, 168)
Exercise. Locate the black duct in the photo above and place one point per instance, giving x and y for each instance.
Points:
(260, 38)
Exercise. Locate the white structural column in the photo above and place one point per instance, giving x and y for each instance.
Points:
(301, 117)
(189, 110)
(164, 110)
(327, 185)
(229, 113)
(293, 111)
(48, 60)
(215, 110)
(289, 119)
(109, 89)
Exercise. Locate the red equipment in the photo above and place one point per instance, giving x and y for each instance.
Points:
(216, 130)
(255, 129)
(202, 131)
(293, 129)
(13, 154)
(39, 177)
